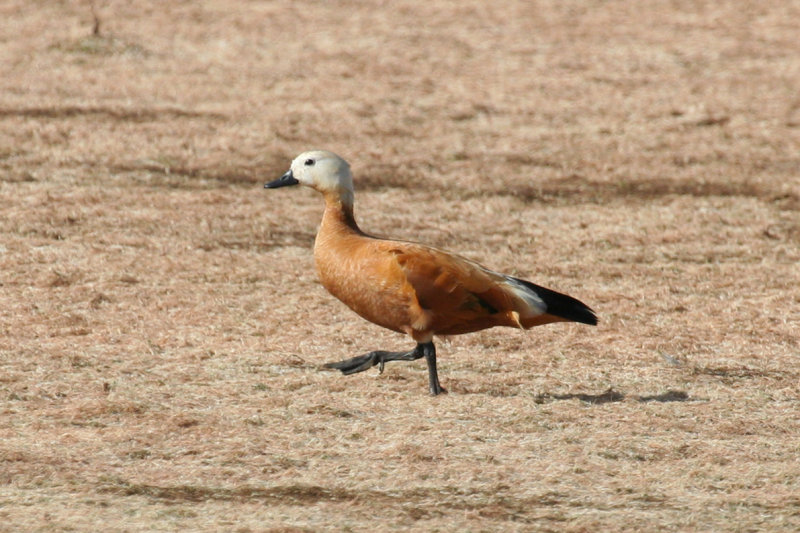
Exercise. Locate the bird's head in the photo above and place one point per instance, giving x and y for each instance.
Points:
(321, 170)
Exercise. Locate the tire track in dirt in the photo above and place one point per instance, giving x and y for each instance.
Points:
(496, 503)
(113, 113)
(575, 188)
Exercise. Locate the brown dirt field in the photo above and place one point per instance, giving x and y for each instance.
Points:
(162, 330)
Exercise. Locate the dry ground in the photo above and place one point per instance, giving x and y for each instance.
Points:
(162, 331)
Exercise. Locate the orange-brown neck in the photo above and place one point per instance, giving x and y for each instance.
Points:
(338, 216)
(337, 240)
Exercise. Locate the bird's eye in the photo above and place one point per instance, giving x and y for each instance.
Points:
(309, 162)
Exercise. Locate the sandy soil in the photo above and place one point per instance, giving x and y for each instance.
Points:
(162, 332)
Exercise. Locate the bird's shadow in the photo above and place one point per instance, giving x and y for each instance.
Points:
(611, 396)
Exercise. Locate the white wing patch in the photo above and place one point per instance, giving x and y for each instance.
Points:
(536, 304)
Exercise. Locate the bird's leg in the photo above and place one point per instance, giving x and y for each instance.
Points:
(380, 358)
(429, 351)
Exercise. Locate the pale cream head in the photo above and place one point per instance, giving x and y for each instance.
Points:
(326, 172)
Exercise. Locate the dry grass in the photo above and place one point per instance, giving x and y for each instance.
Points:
(162, 331)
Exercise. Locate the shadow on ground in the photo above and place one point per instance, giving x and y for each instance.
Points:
(610, 396)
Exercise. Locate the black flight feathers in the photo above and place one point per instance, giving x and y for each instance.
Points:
(561, 305)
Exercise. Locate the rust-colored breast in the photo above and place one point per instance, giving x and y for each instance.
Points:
(362, 277)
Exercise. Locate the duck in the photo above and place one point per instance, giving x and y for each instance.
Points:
(407, 287)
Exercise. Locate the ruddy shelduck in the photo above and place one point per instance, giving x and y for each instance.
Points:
(408, 287)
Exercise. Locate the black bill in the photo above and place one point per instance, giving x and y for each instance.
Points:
(283, 181)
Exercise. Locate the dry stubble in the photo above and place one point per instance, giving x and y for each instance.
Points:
(162, 331)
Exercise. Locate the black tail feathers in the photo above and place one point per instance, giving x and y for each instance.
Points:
(563, 306)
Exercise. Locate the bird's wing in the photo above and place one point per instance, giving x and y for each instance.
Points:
(457, 294)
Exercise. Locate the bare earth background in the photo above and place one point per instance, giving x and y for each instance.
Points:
(162, 330)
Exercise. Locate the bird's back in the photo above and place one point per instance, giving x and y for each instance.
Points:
(420, 290)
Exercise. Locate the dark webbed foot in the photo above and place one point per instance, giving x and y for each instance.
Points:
(380, 358)
(368, 360)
